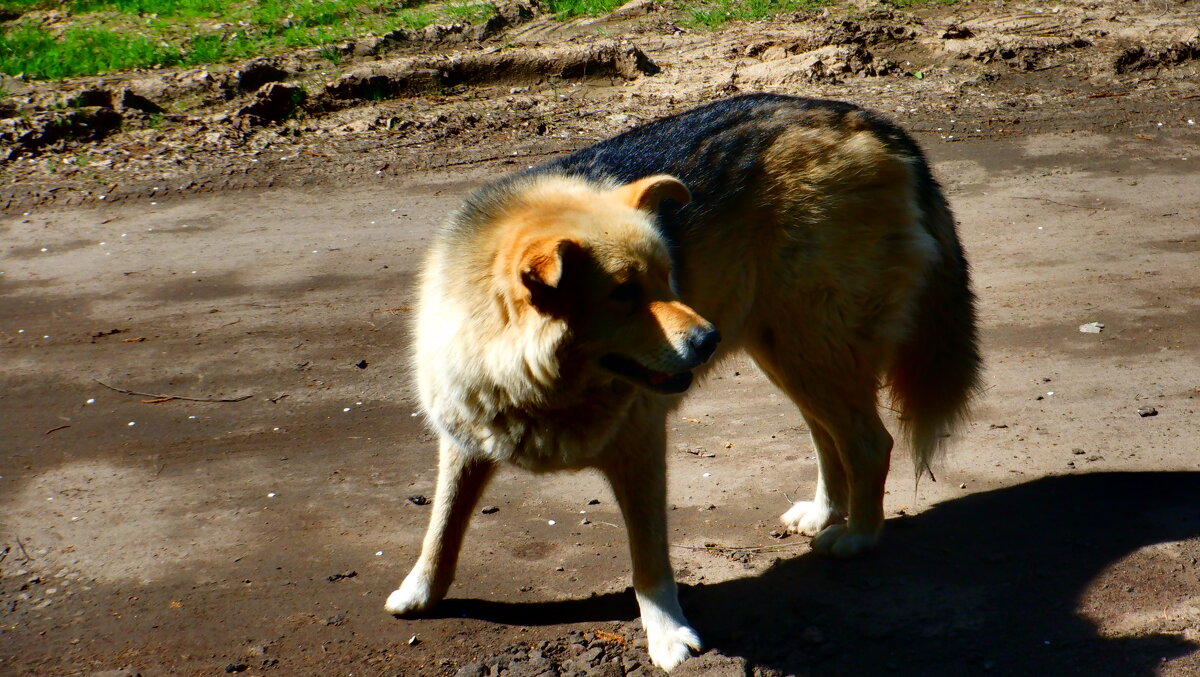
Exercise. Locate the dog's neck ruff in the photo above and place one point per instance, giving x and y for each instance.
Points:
(500, 389)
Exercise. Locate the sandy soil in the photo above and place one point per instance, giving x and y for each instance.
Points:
(261, 536)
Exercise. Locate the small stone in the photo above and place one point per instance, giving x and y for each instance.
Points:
(335, 620)
(1078, 452)
(594, 501)
(361, 364)
(418, 499)
(1147, 411)
(489, 509)
(236, 667)
(339, 576)
(1092, 327)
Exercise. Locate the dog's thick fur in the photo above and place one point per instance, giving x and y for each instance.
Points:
(562, 310)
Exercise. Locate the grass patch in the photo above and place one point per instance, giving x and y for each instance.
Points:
(716, 13)
(90, 37)
(78, 51)
(100, 36)
(905, 4)
(470, 12)
(565, 9)
(331, 54)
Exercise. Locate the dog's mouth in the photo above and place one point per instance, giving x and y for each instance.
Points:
(659, 382)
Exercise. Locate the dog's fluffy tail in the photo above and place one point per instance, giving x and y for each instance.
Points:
(937, 367)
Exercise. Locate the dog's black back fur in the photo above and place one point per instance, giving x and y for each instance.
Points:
(716, 150)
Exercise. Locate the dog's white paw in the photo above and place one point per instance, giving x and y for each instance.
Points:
(837, 540)
(671, 647)
(807, 517)
(414, 595)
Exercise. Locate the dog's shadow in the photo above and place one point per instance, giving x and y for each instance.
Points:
(991, 583)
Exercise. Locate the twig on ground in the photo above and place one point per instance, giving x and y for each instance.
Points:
(493, 158)
(1056, 65)
(173, 397)
(1064, 204)
(24, 553)
(738, 548)
(56, 429)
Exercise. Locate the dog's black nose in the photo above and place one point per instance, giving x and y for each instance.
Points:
(704, 343)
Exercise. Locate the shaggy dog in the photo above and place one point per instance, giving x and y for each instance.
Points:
(564, 309)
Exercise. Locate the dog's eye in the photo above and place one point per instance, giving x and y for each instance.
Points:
(627, 292)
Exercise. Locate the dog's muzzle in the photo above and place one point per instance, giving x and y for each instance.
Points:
(701, 344)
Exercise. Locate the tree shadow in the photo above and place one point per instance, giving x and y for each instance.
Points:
(987, 584)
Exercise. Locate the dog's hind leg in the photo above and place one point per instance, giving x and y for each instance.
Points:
(637, 474)
(837, 394)
(865, 447)
(829, 504)
(460, 483)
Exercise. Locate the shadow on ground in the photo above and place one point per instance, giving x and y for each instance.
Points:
(991, 583)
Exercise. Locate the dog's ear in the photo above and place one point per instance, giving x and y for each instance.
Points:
(647, 193)
(545, 266)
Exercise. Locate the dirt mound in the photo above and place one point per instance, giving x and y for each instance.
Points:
(86, 123)
(1023, 52)
(443, 95)
(410, 77)
(827, 63)
(1141, 58)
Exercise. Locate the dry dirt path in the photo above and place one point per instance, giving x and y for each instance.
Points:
(192, 538)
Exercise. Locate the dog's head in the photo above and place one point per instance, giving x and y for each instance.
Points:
(591, 257)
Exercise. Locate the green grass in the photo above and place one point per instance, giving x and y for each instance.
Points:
(99, 36)
(470, 12)
(78, 51)
(565, 9)
(715, 13)
(903, 4)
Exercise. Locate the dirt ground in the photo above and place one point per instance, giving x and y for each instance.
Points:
(220, 257)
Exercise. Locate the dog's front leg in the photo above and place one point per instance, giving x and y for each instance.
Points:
(460, 482)
(638, 478)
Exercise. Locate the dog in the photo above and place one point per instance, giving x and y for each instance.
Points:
(564, 310)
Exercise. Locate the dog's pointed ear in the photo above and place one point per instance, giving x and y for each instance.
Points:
(647, 193)
(544, 267)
